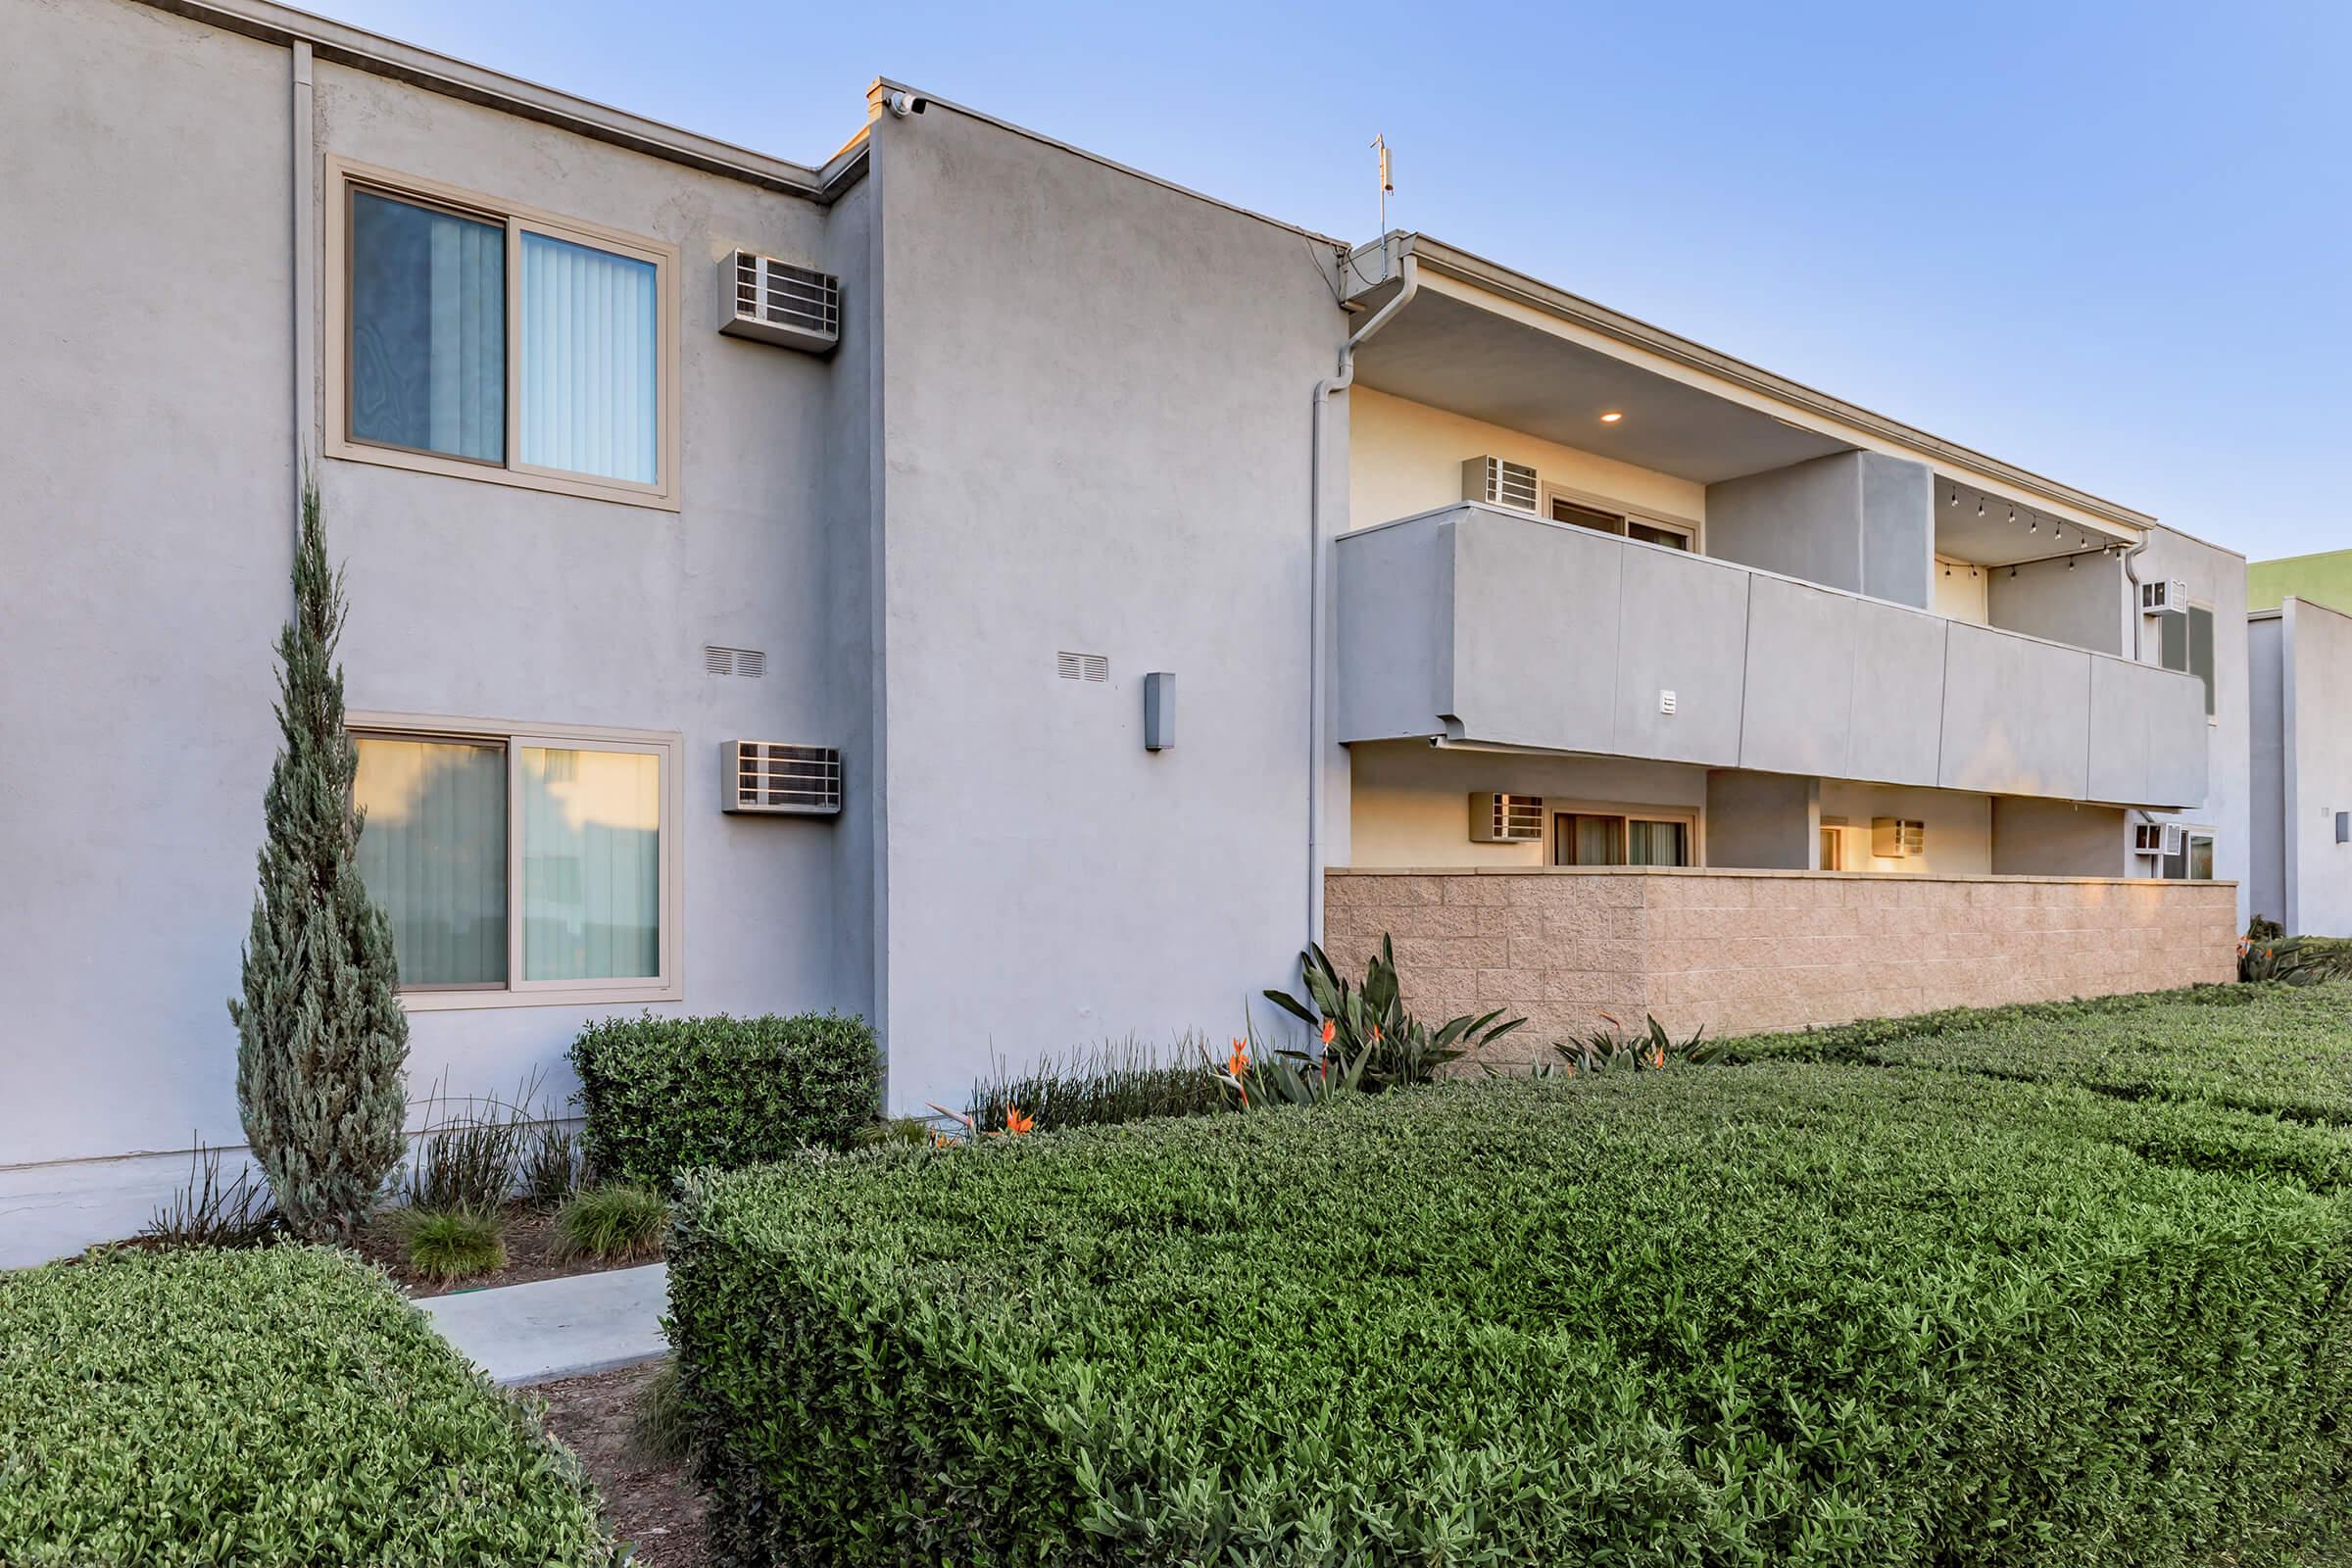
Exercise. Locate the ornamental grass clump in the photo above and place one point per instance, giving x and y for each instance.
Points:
(447, 1244)
(612, 1223)
(1782, 1312)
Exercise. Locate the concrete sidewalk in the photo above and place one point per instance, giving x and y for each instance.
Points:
(559, 1328)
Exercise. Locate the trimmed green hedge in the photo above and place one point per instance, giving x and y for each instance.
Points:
(1768, 1314)
(280, 1405)
(666, 1095)
(2285, 1051)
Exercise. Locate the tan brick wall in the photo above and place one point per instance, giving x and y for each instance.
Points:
(1741, 952)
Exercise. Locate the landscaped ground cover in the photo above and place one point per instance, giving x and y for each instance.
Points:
(271, 1405)
(1783, 1311)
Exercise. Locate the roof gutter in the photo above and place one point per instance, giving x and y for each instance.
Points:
(1317, 723)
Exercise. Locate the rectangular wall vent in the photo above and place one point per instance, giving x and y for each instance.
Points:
(778, 778)
(1506, 818)
(772, 300)
(1081, 667)
(1499, 484)
(746, 662)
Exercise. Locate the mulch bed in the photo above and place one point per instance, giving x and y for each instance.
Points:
(650, 1504)
(530, 1254)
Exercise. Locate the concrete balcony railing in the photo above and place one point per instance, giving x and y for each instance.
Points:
(1482, 624)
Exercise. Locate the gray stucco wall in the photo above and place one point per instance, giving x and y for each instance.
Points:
(151, 449)
(2266, 810)
(2057, 838)
(2316, 695)
(2216, 577)
(1763, 822)
(1563, 638)
(1095, 414)
(2075, 604)
(1858, 520)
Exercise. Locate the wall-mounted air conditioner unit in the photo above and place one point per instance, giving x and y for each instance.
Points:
(774, 778)
(2156, 838)
(1896, 837)
(1498, 484)
(2166, 596)
(775, 302)
(1506, 818)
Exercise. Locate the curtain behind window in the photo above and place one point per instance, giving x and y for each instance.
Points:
(434, 853)
(429, 329)
(591, 864)
(590, 383)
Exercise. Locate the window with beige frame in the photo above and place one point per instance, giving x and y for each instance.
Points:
(521, 865)
(1623, 835)
(485, 340)
(1605, 516)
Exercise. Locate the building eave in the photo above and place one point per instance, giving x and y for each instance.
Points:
(361, 50)
(1535, 294)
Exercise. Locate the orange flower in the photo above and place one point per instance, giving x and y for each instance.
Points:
(1376, 1034)
(1239, 1063)
(1017, 1124)
(1330, 1031)
(1657, 1055)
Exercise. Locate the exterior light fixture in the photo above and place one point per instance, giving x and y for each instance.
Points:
(2013, 517)
(1611, 418)
(2033, 525)
(1955, 495)
(1979, 506)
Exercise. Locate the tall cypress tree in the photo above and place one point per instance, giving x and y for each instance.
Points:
(321, 1041)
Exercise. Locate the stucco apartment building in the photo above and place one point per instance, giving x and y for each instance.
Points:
(2299, 637)
(979, 586)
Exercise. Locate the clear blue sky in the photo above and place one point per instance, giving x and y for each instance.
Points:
(2111, 243)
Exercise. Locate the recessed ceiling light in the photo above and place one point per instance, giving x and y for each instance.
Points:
(1611, 418)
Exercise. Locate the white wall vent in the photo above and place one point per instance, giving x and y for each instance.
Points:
(779, 779)
(775, 302)
(1506, 818)
(1896, 837)
(2166, 596)
(1499, 484)
(2156, 838)
(1081, 667)
(750, 663)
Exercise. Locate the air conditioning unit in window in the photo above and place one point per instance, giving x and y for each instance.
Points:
(1506, 818)
(774, 778)
(2156, 838)
(2166, 596)
(1498, 484)
(1894, 838)
(775, 302)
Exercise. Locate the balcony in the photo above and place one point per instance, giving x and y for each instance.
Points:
(1476, 623)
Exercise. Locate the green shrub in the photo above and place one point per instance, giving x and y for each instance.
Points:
(275, 1405)
(666, 1095)
(453, 1244)
(1778, 1313)
(1115, 1082)
(2282, 1051)
(612, 1222)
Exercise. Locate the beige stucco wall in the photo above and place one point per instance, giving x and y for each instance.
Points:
(1409, 802)
(1405, 458)
(1959, 824)
(1744, 952)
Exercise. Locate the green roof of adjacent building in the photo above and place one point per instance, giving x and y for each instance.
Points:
(2320, 579)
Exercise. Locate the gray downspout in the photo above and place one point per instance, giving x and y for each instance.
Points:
(1408, 272)
(305, 219)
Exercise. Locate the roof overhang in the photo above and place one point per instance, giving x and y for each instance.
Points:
(1484, 341)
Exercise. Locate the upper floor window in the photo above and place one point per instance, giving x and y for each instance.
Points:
(1602, 519)
(2186, 643)
(492, 342)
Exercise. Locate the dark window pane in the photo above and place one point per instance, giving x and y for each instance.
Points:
(429, 329)
(1644, 531)
(2200, 651)
(2172, 642)
(1587, 517)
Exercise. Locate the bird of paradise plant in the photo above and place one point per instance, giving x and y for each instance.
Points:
(1648, 1051)
(1368, 1023)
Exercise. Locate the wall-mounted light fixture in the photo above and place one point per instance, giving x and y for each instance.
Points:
(1159, 710)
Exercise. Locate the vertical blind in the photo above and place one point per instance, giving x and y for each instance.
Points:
(591, 863)
(589, 383)
(429, 329)
(434, 853)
